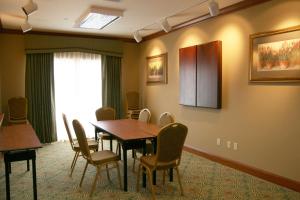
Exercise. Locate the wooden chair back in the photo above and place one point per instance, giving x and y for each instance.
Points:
(17, 108)
(81, 138)
(105, 113)
(1, 118)
(145, 115)
(170, 141)
(133, 100)
(68, 130)
(165, 119)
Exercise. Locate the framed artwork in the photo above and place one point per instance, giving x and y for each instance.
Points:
(275, 56)
(157, 68)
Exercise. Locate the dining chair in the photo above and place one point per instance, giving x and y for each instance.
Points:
(92, 144)
(17, 110)
(132, 105)
(165, 119)
(106, 113)
(170, 141)
(17, 114)
(97, 159)
(144, 116)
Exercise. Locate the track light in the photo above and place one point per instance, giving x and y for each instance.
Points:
(137, 36)
(30, 8)
(213, 8)
(26, 26)
(165, 25)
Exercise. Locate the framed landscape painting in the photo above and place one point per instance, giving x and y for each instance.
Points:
(157, 68)
(275, 56)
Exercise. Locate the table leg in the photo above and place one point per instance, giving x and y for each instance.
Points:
(144, 169)
(119, 144)
(110, 143)
(154, 172)
(34, 178)
(7, 171)
(9, 167)
(171, 175)
(125, 167)
(96, 131)
(28, 165)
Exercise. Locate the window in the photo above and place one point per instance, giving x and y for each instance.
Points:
(78, 90)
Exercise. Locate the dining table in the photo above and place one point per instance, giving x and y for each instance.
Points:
(19, 142)
(131, 134)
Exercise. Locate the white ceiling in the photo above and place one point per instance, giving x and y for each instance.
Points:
(60, 15)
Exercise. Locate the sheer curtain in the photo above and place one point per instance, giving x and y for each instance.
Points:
(78, 89)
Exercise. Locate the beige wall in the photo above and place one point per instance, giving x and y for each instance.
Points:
(262, 118)
(13, 59)
(130, 70)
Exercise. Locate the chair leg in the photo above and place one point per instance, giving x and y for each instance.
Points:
(138, 178)
(95, 180)
(83, 174)
(74, 162)
(107, 172)
(149, 172)
(73, 159)
(119, 174)
(117, 149)
(164, 177)
(102, 144)
(134, 158)
(179, 181)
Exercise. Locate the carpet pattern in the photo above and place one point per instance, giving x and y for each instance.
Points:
(201, 179)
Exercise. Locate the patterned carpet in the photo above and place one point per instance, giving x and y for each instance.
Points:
(202, 179)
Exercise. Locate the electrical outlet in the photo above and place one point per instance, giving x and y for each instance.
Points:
(218, 141)
(235, 145)
(228, 144)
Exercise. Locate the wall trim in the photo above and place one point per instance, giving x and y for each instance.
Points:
(19, 32)
(268, 176)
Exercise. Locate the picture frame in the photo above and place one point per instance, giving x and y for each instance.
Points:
(157, 69)
(275, 56)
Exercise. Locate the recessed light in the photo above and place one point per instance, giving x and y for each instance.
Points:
(98, 17)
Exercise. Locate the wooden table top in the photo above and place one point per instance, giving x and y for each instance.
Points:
(18, 137)
(128, 129)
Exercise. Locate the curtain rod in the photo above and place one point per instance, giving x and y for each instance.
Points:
(72, 49)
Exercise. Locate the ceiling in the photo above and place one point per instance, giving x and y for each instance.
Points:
(59, 16)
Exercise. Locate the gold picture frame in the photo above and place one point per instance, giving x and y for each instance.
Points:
(157, 69)
(275, 56)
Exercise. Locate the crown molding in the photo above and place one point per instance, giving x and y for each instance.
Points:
(19, 32)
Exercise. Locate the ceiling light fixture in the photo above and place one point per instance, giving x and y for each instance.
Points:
(137, 36)
(98, 17)
(213, 8)
(26, 26)
(165, 25)
(30, 8)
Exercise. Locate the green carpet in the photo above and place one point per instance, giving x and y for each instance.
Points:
(202, 179)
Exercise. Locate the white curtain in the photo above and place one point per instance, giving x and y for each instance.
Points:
(78, 90)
